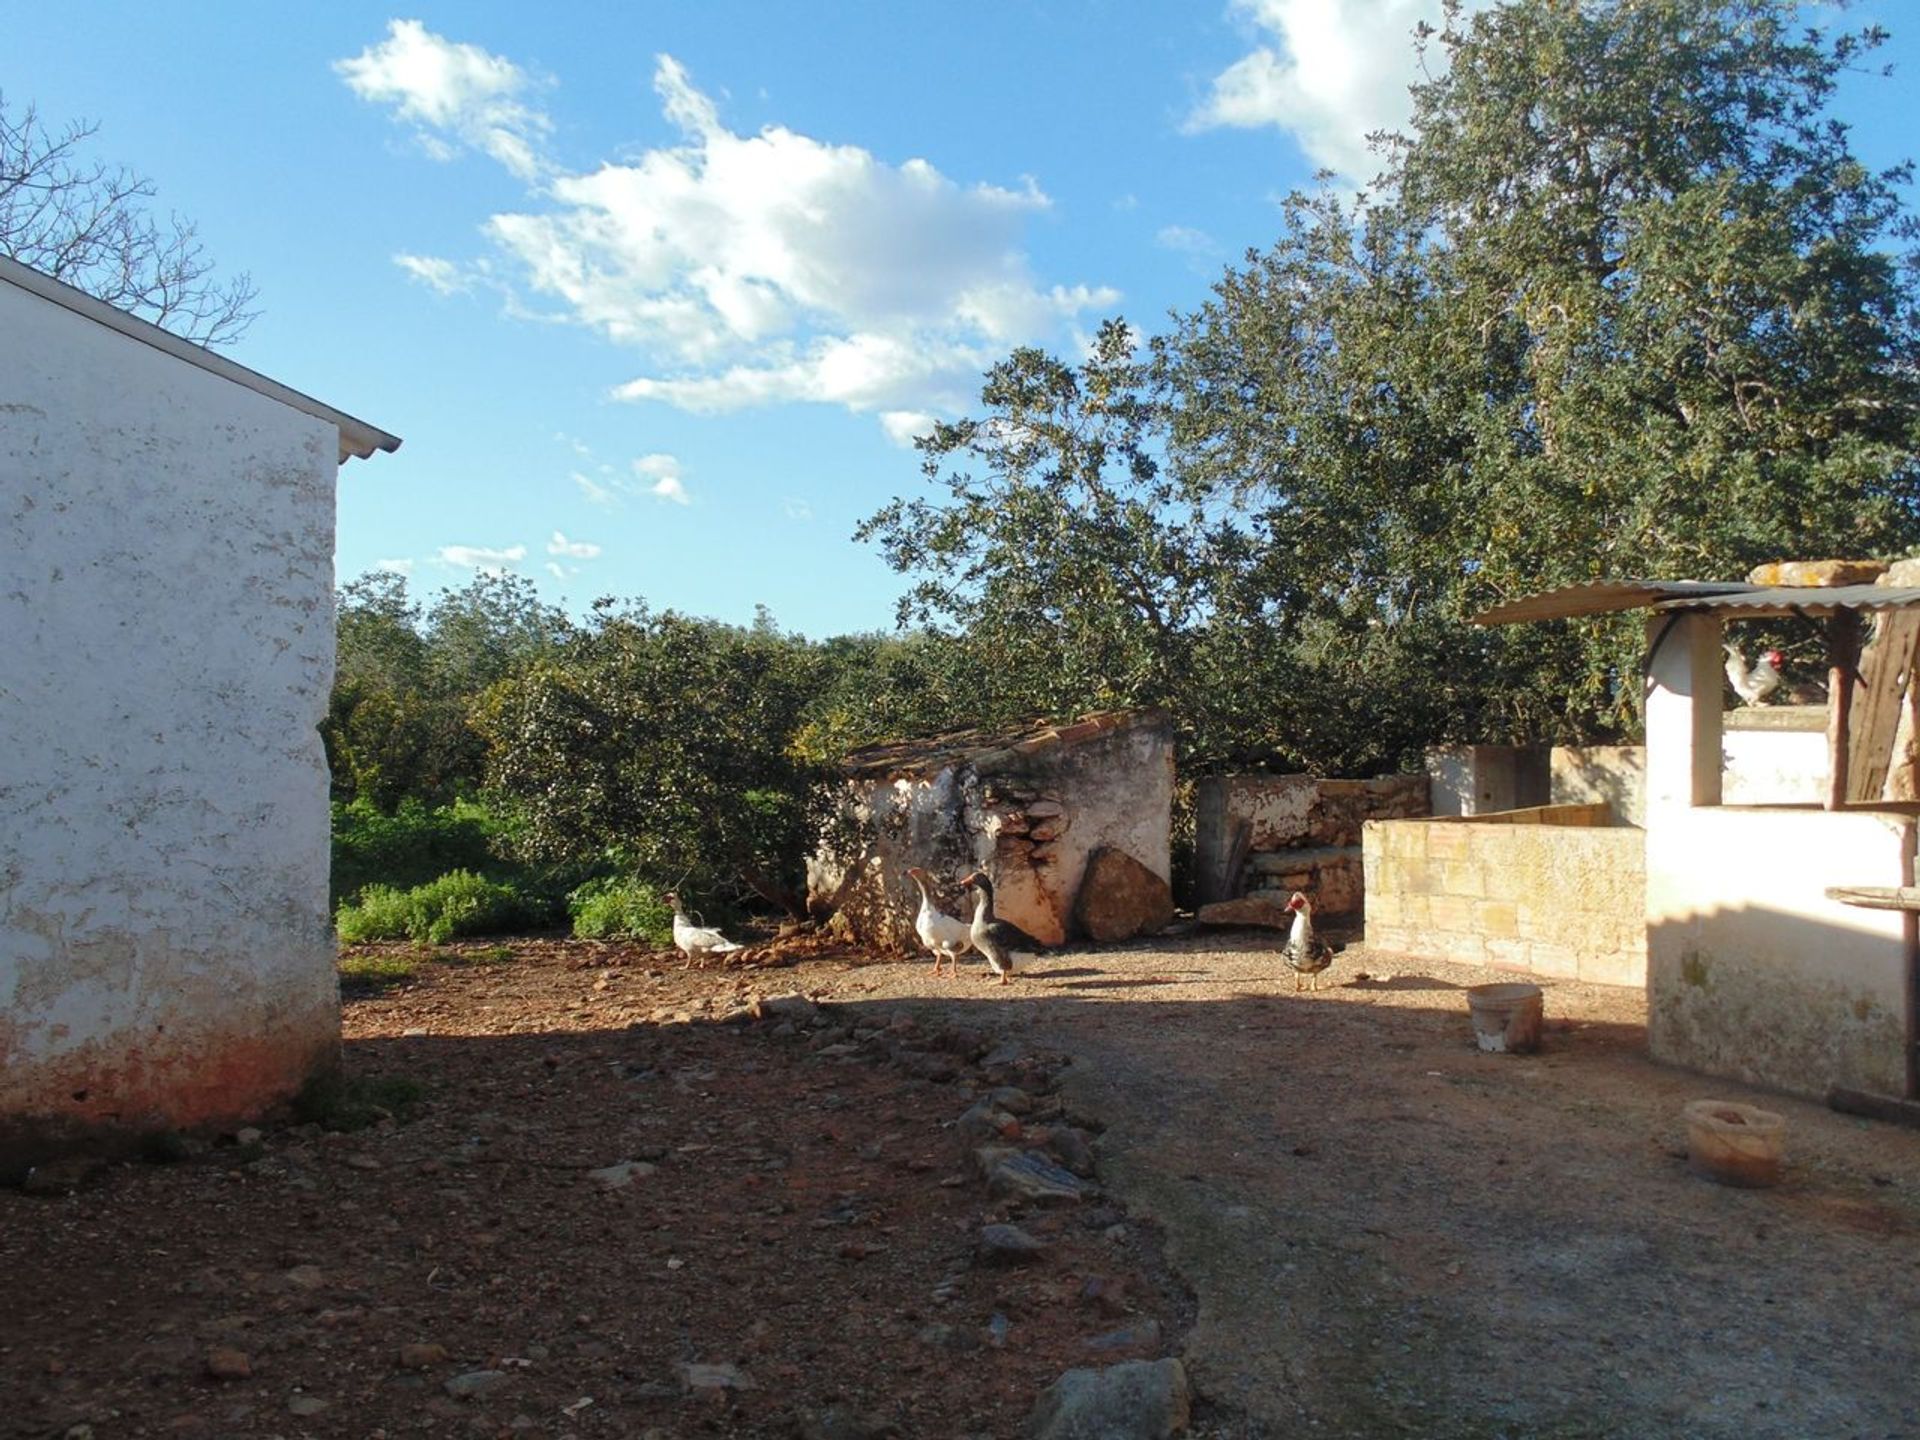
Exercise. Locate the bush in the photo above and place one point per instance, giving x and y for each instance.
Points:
(458, 903)
(413, 846)
(617, 906)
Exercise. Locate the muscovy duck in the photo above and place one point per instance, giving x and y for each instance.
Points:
(1305, 952)
(1002, 942)
(947, 937)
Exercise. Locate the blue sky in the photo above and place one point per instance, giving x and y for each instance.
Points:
(655, 294)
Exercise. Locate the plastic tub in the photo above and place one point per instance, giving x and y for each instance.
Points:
(1506, 1017)
(1734, 1144)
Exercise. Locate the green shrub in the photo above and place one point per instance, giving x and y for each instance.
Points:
(618, 906)
(458, 903)
(410, 847)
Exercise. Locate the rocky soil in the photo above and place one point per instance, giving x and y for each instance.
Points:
(599, 1195)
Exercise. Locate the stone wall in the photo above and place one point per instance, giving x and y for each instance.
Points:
(166, 947)
(1032, 808)
(1265, 836)
(1556, 890)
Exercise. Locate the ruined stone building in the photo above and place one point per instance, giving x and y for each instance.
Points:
(1072, 822)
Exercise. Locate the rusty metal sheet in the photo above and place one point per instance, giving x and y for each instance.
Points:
(1755, 603)
(1604, 597)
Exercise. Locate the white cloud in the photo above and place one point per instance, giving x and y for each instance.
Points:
(903, 427)
(595, 492)
(749, 269)
(451, 91)
(796, 509)
(573, 549)
(445, 277)
(481, 557)
(1329, 72)
(664, 472)
(398, 567)
(562, 572)
(1186, 239)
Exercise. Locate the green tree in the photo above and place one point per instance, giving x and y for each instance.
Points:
(1075, 568)
(406, 680)
(665, 742)
(1625, 303)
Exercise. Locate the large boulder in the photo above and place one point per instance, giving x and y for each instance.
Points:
(1120, 898)
(1142, 1400)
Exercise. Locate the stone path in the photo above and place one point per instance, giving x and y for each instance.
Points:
(1390, 1233)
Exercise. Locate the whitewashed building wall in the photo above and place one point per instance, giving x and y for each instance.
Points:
(166, 649)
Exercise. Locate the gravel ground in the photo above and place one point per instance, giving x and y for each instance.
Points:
(1392, 1233)
(609, 1212)
(1345, 1218)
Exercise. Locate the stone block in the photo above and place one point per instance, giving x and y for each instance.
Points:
(1498, 920)
(1120, 898)
(1447, 841)
(1555, 959)
(1267, 908)
(1615, 967)
(1816, 572)
(1450, 913)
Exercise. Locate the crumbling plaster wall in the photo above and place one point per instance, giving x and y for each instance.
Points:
(1281, 833)
(166, 950)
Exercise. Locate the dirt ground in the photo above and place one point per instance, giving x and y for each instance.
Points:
(799, 1226)
(1342, 1216)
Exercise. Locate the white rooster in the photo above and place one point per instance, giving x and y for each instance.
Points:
(945, 936)
(696, 942)
(1753, 686)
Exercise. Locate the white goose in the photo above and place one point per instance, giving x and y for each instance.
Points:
(696, 942)
(945, 936)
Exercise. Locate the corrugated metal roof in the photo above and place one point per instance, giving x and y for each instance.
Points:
(1604, 597)
(1756, 603)
(357, 438)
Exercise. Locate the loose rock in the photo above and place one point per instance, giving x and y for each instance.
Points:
(1141, 1400)
(1009, 1245)
(1024, 1175)
(226, 1363)
(422, 1356)
(618, 1177)
(696, 1378)
(475, 1383)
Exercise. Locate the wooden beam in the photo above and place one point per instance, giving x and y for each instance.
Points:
(1885, 669)
(1843, 663)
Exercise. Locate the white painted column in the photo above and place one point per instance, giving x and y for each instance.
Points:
(1683, 712)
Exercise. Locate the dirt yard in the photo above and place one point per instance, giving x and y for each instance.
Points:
(621, 1205)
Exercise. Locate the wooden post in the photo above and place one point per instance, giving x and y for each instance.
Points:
(1843, 663)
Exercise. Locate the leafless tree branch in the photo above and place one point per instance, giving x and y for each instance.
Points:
(87, 223)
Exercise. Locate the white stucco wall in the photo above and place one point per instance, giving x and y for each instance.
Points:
(1751, 970)
(166, 647)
